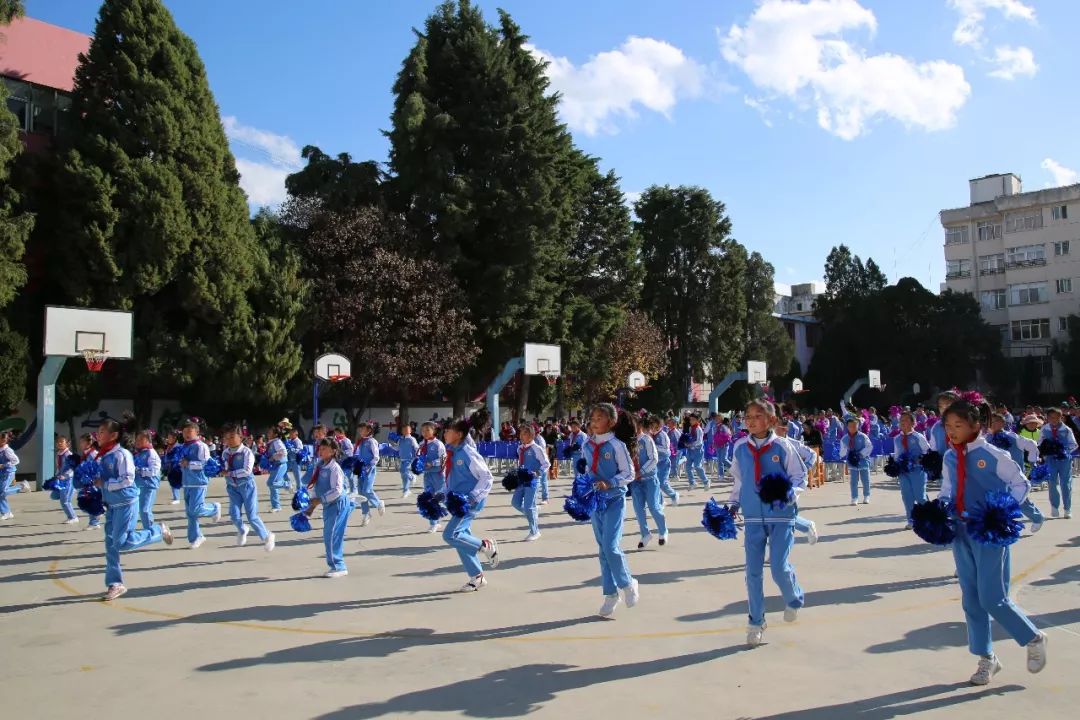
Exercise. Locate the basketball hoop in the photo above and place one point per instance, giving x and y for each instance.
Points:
(95, 359)
(338, 378)
(551, 377)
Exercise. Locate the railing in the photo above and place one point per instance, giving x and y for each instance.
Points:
(992, 271)
(957, 274)
(1035, 262)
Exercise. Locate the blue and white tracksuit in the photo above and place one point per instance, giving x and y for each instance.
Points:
(695, 456)
(330, 487)
(367, 452)
(345, 449)
(534, 458)
(147, 479)
(8, 462)
(794, 430)
(764, 525)
(166, 469)
(861, 472)
(1060, 480)
(239, 464)
(196, 453)
(467, 474)
(433, 453)
(293, 446)
(645, 490)
(68, 476)
(1023, 451)
(609, 461)
(663, 464)
(809, 459)
(678, 455)
(91, 454)
(913, 483)
(575, 442)
(278, 455)
(407, 447)
(121, 498)
(983, 570)
(539, 440)
(939, 441)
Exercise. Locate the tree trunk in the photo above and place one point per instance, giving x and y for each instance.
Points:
(403, 407)
(461, 395)
(144, 405)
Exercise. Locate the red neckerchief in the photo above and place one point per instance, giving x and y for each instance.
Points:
(595, 456)
(757, 452)
(903, 441)
(521, 455)
(961, 475)
(105, 449)
(449, 460)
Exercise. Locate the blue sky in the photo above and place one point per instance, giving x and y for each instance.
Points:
(817, 123)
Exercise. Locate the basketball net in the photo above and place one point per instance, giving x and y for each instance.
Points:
(95, 359)
(551, 377)
(337, 378)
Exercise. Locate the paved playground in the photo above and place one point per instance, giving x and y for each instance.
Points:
(227, 631)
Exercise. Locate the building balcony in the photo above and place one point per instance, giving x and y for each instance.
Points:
(992, 271)
(1025, 263)
(958, 274)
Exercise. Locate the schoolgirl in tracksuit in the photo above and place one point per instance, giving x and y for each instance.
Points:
(972, 467)
(912, 483)
(345, 449)
(193, 457)
(645, 488)
(407, 447)
(432, 454)
(722, 441)
(167, 468)
(533, 458)
(121, 499)
(87, 451)
(757, 455)
(367, 453)
(1060, 480)
(859, 442)
(575, 442)
(939, 441)
(678, 455)
(1022, 450)
(66, 473)
(147, 476)
(467, 473)
(809, 459)
(695, 453)
(8, 462)
(278, 455)
(239, 463)
(293, 445)
(331, 493)
(610, 464)
(663, 458)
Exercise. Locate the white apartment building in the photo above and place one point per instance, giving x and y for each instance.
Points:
(794, 306)
(1018, 252)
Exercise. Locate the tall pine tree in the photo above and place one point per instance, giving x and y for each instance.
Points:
(152, 219)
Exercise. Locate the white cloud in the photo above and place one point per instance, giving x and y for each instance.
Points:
(795, 49)
(1014, 62)
(1061, 174)
(263, 159)
(613, 85)
(969, 29)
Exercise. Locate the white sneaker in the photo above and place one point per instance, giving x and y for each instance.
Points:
(382, 509)
(336, 573)
(854, 501)
(907, 525)
(1068, 514)
(433, 528)
(675, 500)
(271, 541)
(631, 594)
(94, 526)
(608, 608)
(7, 516)
(473, 585)
(365, 519)
(217, 512)
(866, 500)
(1054, 512)
(811, 534)
(198, 542)
(791, 614)
(114, 592)
(1036, 526)
(274, 510)
(663, 539)
(490, 548)
(644, 542)
(72, 521)
(543, 502)
(241, 537)
(1036, 652)
(166, 534)
(25, 486)
(174, 502)
(755, 635)
(988, 668)
(532, 537)
(406, 494)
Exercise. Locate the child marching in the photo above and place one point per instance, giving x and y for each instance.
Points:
(432, 456)
(239, 464)
(695, 452)
(194, 456)
(407, 447)
(88, 451)
(468, 478)
(1024, 452)
(147, 476)
(367, 457)
(645, 488)
(65, 472)
(8, 462)
(535, 461)
(855, 448)
(278, 456)
(908, 449)
(663, 458)
(330, 492)
(293, 445)
(1057, 444)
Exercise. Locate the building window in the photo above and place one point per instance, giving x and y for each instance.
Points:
(38, 109)
(1028, 293)
(1060, 212)
(1061, 248)
(957, 268)
(987, 230)
(1025, 255)
(813, 335)
(993, 299)
(991, 264)
(1031, 329)
(1033, 220)
(798, 306)
(1063, 324)
(18, 102)
(1064, 285)
(956, 235)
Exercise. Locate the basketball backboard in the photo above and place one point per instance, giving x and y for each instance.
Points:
(543, 359)
(796, 385)
(874, 379)
(332, 365)
(69, 332)
(635, 381)
(756, 372)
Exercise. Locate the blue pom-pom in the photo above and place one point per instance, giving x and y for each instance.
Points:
(932, 521)
(70, 463)
(301, 500)
(1052, 449)
(54, 494)
(300, 522)
(264, 461)
(719, 521)
(1001, 440)
(175, 455)
(996, 521)
(303, 456)
(684, 441)
(892, 469)
(517, 478)
(175, 477)
(931, 463)
(776, 491)
(431, 507)
(580, 510)
(581, 467)
(570, 450)
(348, 464)
(1039, 474)
(854, 459)
(49, 484)
(417, 465)
(212, 467)
(458, 504)
(87, 472)
(91, 502)
(393, 437)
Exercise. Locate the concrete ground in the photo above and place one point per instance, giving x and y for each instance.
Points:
(227, 631)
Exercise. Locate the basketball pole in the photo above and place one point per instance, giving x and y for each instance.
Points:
(509, 370)
(46, 414)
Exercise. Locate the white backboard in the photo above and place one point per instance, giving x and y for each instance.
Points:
(332, 365)
(875, 379)
(916, 388)
(796, 385)
(69, 331)
(756, 372)
(543, 359)
(635, 380)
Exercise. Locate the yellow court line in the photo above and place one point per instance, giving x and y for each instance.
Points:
(668, 635)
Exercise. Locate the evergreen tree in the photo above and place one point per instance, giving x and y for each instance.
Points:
(766, 338)
(488, 173)
(151, 218)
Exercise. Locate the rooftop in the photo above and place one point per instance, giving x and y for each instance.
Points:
(41, 53)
